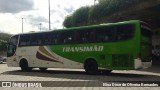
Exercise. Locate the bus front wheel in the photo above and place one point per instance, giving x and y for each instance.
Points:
(91, 67)
(24, 65)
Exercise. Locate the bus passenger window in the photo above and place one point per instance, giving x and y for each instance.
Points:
(100, 34)
(87, 35)
(78, 37)
(34, 40)
(54, 38)
(40, 39)
(109, 34)
(105, 34)
(48, 38)
(67, 37)
(125, 32)
(24, 40)
(106, 38)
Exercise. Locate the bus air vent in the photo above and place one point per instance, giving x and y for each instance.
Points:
(121, 60)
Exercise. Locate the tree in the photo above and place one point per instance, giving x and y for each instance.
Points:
(80, 16)
(96, 14)
(4, 38)
(2, 45)
(67, 22)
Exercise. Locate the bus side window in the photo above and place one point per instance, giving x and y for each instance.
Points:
(40, 39)
(91, 35)
(81, 36)
(34, 40)
(84, 37)
(110, 34)
(24, 40)
(48, 38)
(54, 38)
(60, 38)
(67, 37)
(106, 34)
(57, 40)
(78, 37)
(87, 35)
(100, 35)
(125, 32)
(70, 37)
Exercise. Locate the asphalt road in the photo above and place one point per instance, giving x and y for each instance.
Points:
(77, 79)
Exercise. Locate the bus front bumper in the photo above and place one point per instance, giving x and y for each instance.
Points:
(138, 64)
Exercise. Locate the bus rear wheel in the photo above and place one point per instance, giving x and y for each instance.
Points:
(24, 65)
(43, 69)
(91, 67)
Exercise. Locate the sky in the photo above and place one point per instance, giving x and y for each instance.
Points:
(35, 14)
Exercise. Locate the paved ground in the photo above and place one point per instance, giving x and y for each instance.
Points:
(77, 76)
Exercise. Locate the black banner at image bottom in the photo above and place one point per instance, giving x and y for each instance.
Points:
(79, 84)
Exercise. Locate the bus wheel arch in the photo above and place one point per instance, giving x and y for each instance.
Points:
(91, 66)
(24, 65)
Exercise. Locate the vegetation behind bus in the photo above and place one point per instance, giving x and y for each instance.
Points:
(4, 38)
(97, 13)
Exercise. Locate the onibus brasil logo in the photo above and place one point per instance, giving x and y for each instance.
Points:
(21, 84)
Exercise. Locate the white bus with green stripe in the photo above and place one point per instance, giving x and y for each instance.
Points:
(114, 46)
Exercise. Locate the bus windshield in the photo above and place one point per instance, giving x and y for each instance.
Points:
(12, 46)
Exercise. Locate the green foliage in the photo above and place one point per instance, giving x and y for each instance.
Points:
(94, 14)
(107, 7)
(78, 17)
(2, 45)
(4, 38)
(67, 22)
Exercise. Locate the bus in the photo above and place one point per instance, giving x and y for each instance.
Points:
(115, 46)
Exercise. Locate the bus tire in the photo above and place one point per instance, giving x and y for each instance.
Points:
(24, 65)
(43, 69)
(91, 67)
